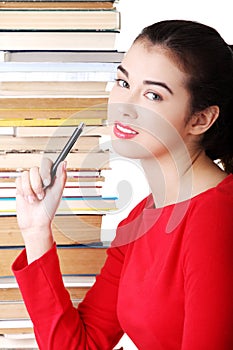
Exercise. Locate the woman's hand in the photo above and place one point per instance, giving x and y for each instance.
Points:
(36, 207)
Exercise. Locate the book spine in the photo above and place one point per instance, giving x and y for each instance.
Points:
(58, 40)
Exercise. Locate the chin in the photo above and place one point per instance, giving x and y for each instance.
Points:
(130, 149)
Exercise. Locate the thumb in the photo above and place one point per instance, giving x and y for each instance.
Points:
(61, 172)
(60, 178)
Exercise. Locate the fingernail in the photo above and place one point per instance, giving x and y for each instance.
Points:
(40, 196)
(46, 182)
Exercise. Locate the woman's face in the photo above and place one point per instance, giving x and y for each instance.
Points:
(149, 104)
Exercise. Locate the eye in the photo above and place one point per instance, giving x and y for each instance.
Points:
(122, 83)
(153, 96)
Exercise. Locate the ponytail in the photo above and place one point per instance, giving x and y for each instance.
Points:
(218, 140)
(227, 158)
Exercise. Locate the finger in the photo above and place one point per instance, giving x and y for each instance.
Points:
(45, 171)
(54, 193)
(27, 191)
(36, 182)
(18, 185)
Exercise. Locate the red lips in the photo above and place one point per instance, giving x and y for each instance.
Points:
(123, 131)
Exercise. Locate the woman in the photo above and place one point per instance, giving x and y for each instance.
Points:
(168, 278)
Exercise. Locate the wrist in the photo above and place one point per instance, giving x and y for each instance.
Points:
(37, 241)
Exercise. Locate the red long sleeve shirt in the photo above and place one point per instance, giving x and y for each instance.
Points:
(167, 282)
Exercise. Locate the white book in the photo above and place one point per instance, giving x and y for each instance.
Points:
(58, 71)
(7, 130)
(69, 40)
(10, 282)
(61, 56)
(55, 19)
(32, 67)
(15, 324)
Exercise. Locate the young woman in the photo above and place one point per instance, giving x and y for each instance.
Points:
(168, 278)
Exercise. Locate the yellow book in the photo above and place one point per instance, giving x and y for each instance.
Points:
(51, 121)
(52, 111)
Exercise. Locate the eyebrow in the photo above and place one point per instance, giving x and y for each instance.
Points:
(123, 70)
(147, 82)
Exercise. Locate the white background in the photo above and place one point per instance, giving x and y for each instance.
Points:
(136, 14)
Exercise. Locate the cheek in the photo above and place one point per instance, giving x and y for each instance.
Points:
(152, 144)
(114, 94)
(160, 136)
(157, 135)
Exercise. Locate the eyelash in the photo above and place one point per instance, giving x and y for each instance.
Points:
(122, 80)
(157, 96)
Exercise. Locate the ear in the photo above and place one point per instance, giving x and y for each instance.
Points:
(203, 120)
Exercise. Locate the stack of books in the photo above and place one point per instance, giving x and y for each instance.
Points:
(58, 25)
(58, 60)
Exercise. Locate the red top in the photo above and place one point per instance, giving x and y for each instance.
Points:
(169, 286)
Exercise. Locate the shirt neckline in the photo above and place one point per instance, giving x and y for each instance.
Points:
(149, 204)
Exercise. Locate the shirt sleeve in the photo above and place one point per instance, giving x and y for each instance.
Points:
(208, 276)
(59, 325)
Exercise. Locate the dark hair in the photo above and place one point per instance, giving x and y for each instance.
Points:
(208, 60)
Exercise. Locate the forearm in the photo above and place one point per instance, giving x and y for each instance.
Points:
(54, 318)
(56, 322)
(37, 241)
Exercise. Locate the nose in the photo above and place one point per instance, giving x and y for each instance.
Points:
(127, 110)
(124, 112)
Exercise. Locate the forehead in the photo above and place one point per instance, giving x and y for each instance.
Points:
(153, 61)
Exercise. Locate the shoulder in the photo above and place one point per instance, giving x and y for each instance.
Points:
(218, 200)
(209, 223)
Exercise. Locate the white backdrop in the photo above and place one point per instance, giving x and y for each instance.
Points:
(136, 14)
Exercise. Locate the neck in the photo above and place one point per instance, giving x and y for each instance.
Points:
(172, 178)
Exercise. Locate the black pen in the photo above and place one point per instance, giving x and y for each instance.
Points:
(67, 148)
